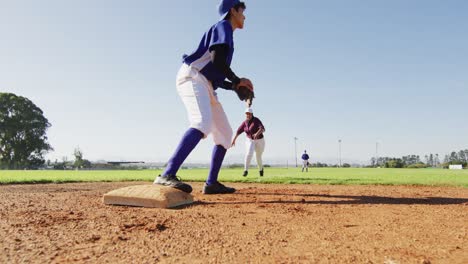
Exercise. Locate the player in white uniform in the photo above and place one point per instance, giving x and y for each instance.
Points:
(202, 72)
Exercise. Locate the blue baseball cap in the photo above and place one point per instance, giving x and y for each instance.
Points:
(224, 6)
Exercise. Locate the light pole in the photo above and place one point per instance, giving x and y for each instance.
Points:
(339, 150)
(377, 154)
(295, 149)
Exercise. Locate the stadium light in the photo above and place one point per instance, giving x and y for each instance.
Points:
(339, 150)
(295, 149)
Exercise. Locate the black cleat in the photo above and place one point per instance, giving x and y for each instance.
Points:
(245, 173)
(174, 182)
(261, 173)
(217, 188)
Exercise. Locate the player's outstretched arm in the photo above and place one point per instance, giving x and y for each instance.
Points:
(234, 141)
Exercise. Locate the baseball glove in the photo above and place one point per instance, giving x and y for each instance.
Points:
(245, 94)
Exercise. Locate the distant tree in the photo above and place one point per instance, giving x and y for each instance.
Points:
(419, 165)
(466, 157)
(446, 159)
(462, 157)
(453, 158)
(394, 163)
(346, 165)
(23, 140)
(87, 164)
(80, 163)
(65, 162)
(412, 159)
(378, 162)
(235, 165)
(408, 161)
(78, 158)
(62, 165)
(319, 165)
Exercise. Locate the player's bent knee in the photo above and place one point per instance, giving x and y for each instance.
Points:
(203, 125)
(203, 129)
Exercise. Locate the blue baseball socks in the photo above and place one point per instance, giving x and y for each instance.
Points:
(187, 144)
(217, 158)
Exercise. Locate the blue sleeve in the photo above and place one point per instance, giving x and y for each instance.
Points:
(222, 34)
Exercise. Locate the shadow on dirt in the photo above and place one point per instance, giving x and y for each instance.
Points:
(342, 199)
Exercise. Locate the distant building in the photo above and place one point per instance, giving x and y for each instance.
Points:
(456, 167)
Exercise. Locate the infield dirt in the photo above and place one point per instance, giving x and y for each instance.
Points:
(259, 224)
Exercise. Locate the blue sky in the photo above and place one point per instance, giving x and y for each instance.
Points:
(103, 72)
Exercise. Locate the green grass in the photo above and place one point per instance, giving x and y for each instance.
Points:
(347, 176)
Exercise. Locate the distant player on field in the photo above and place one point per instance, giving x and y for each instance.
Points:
(305, 161)
(202, 72)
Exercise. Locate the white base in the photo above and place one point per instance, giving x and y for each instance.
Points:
(155, 196)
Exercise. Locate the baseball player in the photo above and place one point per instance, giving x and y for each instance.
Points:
(254, 129)
(201, 73)
(305, 161)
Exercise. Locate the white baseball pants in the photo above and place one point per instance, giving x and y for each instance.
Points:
(204, 111)
(305, 165)
(251, 145)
